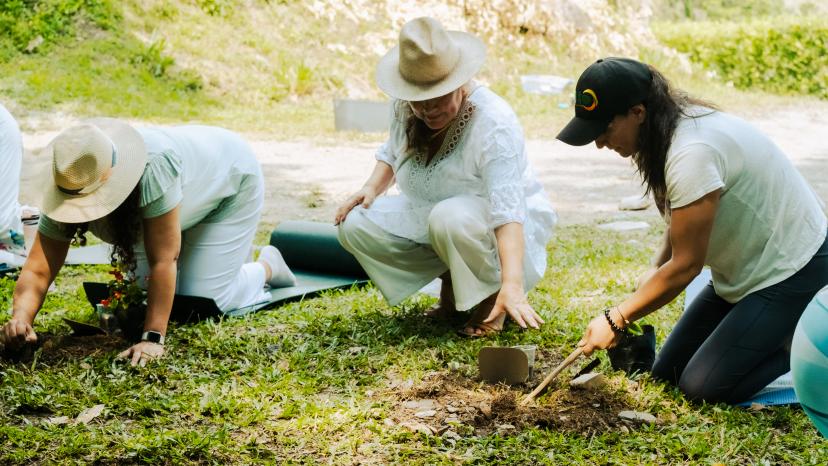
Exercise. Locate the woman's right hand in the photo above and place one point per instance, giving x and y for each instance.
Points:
(364, 197)
(17, 332)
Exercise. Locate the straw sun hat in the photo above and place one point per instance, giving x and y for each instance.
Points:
(95, 166)
(429, 61)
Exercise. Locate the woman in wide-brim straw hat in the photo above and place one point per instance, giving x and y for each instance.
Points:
(470, 209)
(732, 201)
(180, 205)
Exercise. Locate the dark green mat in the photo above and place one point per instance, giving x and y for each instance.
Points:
(310, 249)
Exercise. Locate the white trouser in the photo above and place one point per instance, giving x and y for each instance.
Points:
(461, 241)
(11, 157)
(213, 255)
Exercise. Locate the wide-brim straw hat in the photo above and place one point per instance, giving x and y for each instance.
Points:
(429, 61)
(95, 166)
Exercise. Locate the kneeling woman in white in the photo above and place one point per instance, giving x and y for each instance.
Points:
(179, 204)
(470, 208)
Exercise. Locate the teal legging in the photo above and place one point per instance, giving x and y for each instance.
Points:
(809, 361)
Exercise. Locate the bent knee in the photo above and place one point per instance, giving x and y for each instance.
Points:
(702, 386)
(456, 216)
(351, 226)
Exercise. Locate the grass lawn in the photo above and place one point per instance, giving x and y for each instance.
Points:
(326, 381)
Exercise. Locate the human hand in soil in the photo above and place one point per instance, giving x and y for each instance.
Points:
(364, 197)
(142, 352)
(512, 300)
(598, 335)
(17, 332)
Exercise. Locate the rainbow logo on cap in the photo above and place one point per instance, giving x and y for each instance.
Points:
(587, 100)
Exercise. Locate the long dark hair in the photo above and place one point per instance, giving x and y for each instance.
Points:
(664, 105)
(417, 134)
(124, 225)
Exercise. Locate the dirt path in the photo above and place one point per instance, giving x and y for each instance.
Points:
(306, 179)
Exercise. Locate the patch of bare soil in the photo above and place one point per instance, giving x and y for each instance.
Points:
(448, 403)
(53, 349)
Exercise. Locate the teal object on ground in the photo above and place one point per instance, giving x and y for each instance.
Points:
(809, 361)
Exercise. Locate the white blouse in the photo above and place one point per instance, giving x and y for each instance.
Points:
(483, 154)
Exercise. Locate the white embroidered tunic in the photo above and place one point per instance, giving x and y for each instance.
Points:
(483, 155)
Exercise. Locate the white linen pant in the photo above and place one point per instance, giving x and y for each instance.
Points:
(213, 254)
(11, 157)
(461, 242)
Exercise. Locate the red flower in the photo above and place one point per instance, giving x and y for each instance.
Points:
(118, 295)
(105, 302)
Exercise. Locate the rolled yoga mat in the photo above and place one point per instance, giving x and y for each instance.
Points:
(311, 251)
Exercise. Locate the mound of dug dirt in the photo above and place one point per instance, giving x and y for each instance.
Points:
(450, 404)
(52, 349)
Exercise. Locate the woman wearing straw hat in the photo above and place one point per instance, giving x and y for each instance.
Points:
(470, 211)
(180, 205)
(734, 202)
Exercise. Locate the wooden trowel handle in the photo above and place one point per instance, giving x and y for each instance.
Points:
(549, 378)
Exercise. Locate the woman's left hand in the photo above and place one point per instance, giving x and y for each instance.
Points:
(598, 335)
(512, 299)
(142, 352)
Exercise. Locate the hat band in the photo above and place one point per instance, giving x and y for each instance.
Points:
(97, 184)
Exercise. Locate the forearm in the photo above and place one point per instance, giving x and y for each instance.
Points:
(381, 177)
(29, 294)
(41, 267)
(160, 294)
(668, 282)
(510, 248)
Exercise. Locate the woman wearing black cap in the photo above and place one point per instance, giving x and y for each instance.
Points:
(733, 202)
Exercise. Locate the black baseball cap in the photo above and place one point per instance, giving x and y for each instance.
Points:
(607, 88)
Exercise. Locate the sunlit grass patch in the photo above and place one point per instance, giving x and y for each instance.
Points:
(318, 380)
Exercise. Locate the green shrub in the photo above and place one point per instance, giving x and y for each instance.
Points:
(781, 55)
(716, 9)
(25, 23)
(154, 59)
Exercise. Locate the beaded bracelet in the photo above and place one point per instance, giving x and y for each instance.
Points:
(612, 325)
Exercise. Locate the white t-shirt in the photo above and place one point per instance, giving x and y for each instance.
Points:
(769, 222)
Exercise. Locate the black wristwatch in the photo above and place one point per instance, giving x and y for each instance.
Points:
(153, 337)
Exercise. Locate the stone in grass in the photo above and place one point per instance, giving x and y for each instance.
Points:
(637, 416)
(624, 226)
(426, 413)
(419, 405)
(419, 428)
(591, 381)
(486, 409)
(634, 202)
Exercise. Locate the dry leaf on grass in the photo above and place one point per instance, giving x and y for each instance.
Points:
(88, 414)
